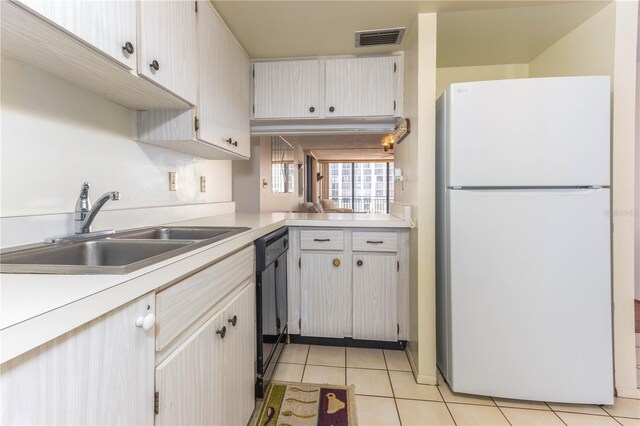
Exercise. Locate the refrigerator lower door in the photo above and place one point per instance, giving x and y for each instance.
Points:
(530, 288)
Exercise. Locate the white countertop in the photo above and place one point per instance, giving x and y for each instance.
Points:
(35, 308)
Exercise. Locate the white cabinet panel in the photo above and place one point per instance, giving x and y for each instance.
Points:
(190, 382)
(105, 25)
(321, 239)
(322, 281)
(240, 358)
(361, 87)
(224, 84)
(287, 89)
(167, 35)
(375, 292)
(209, 379)
(100, 373)
(375, 241)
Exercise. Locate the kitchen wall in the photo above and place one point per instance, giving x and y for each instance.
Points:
(249, 194)
(416, 157)
(56, 135)
(637, 209)
(446, 76)
(606, 44)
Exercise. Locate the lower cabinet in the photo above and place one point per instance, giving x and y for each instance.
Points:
(375, 301)
(349, 283)
(210, 378)
(98, 374)
(321, 293)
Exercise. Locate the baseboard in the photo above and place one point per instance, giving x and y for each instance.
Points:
(632, 393)
(348, 342)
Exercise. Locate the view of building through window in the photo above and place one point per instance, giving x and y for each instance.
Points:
(363, 187)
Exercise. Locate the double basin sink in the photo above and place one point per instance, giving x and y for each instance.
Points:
(118, 253)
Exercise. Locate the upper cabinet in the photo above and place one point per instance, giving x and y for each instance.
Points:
(361, 87)
(224, 84)
(167, 51)
(328, 88)
(219, 127)
(109, 26)
(286, 89)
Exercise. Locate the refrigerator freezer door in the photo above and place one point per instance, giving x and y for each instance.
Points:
(529, 132)
(530, 286)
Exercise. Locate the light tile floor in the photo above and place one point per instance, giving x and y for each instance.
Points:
(387, 393)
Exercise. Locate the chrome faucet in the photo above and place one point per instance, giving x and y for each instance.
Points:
(85, 213)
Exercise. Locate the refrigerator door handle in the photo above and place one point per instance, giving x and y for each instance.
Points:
(529, 191)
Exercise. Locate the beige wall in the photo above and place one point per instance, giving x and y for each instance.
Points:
(249, 194)
(605, 44)
(416, 157)
(637, 204)
(446, 76)
(587, 50)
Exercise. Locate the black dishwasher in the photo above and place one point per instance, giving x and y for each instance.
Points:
(271, 303)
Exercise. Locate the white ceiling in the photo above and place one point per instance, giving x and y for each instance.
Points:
(469, 32)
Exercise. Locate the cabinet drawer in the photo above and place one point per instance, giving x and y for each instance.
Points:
(180, 305)
(375, 241)
(321, 240)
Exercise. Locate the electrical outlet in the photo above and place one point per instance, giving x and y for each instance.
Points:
(172, 181)
(203, 184)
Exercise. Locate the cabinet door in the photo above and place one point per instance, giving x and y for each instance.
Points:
(321, 292)
(360, 87)
(190, 381)
(168, 37)
(375, 289)
(240, 358)
(100, 373)
(286, 89)
(105, 25)
(224, 84)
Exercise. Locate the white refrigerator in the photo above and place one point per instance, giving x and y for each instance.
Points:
(523, 239)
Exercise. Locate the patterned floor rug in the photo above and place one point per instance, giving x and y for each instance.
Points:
(297, 404)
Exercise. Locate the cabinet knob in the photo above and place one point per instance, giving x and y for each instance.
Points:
(336, 262)
(222, 332)
(233, 320)
(359, 263)
(155, 65)
(312, 109)
(146, 322)
(128, 47)
(331, 109)
(235, 143)
(229, 141)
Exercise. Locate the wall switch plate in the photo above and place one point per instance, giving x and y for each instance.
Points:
(172, 181)
(203, 184)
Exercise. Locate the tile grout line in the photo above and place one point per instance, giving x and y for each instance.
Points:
(446, 404)
(554, 412)
(500, 409)
(305, 363)
(393, 392)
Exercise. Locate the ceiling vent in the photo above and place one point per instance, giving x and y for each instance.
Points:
(379, 37)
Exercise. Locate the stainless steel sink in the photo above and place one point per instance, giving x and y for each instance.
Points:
(118, 253)
(182, 233)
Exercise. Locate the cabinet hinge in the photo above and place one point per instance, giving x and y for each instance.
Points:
(196, 123)
(300, 263)
(398, 328)
(254, 73)
(299, 324)
(156, 402)
(394, 105)
(394, 67)
(254, 109)
(398, 265)
(196, 7)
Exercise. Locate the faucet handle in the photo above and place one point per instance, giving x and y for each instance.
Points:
(84, 190)
(115, 195)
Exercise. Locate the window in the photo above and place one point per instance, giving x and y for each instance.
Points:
(353, 185)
